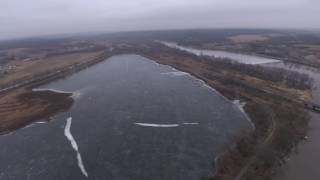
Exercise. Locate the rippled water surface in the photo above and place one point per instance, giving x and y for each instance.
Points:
(132, 120)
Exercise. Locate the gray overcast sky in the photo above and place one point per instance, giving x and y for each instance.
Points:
(22, 18)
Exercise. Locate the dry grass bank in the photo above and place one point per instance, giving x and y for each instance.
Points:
(23, 106)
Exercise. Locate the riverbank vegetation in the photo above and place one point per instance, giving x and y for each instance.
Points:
(290, 79)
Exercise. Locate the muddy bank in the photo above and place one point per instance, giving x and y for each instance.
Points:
(22, 107)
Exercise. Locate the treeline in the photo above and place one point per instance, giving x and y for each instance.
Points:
(291, 79)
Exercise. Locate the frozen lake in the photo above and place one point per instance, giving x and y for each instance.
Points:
(132, 119)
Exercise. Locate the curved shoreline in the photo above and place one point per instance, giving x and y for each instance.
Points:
(272, 128)
(236, 102)
(228, 94)
(288, 114)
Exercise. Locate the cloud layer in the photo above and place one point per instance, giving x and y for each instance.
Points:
(41, 17)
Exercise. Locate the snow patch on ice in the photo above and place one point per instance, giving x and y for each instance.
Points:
(52, 90)
(75, 95)
(157, 125)
(74, 145)
(240, 105)
(165, 125)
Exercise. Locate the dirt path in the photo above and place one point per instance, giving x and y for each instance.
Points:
(266, 141)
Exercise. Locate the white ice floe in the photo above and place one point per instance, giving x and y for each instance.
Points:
(166, 125)
(157, 125)
(74, 145)
(239, 104)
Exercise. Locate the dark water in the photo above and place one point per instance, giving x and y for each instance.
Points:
(183, 126)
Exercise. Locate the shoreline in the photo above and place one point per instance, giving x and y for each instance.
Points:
(197, 78)
(261, 150)
(259, 104)
(23, 107)
(33, 105)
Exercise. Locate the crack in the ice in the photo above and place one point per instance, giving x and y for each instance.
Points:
(74, 145)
